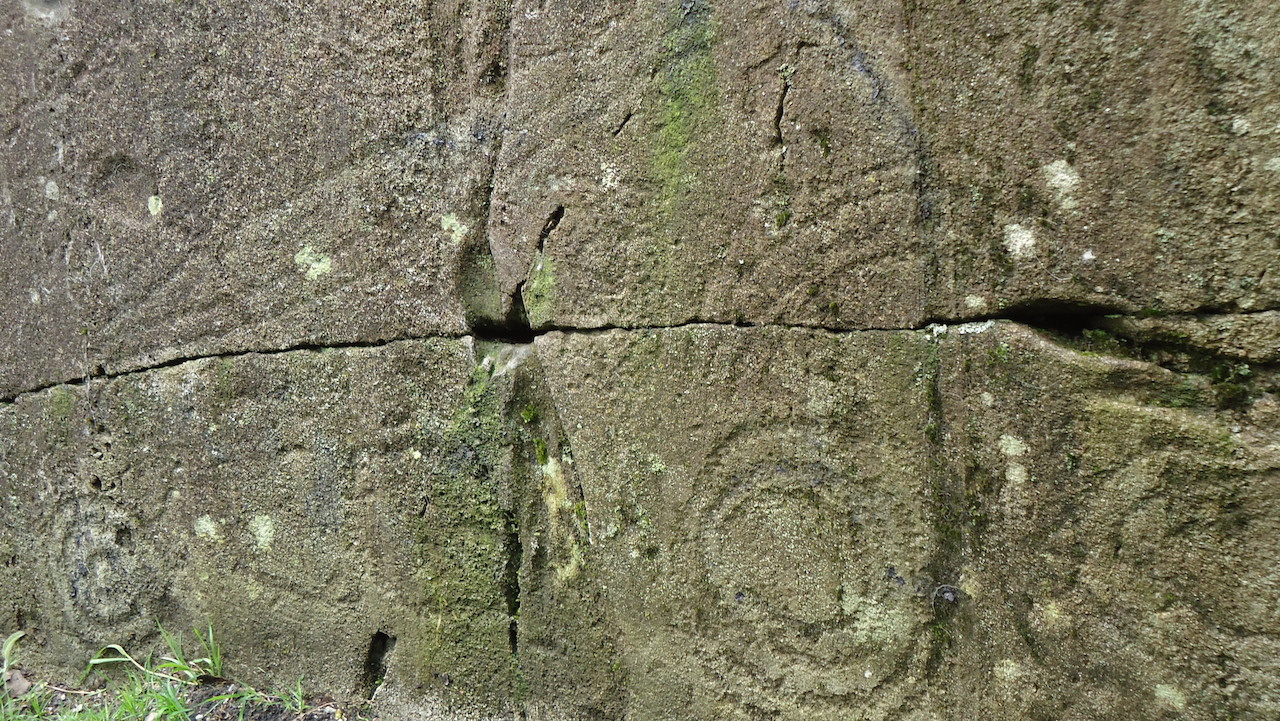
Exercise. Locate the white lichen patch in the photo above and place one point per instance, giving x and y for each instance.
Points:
(1241, 126)
(1273, 165)
(1171, 696)
(313, 262)
(1008, 670)
(207, 528)
(555, 495)
(975, 302)
(968, 328)
(1020, 241)
(1016, 473)
(987, 399)
(1063, 181)
(1012, 446)
(510, 358)
(49, 12)
(450, 224)
(1051, 615)
(51, 190)
(608, 176)
(263, 529)
(155, 205)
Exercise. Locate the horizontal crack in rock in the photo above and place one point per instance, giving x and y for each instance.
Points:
(1056, 324)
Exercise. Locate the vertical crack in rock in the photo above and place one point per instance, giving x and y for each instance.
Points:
(535, 290)
(553, 221)
(947, 513)
(516, 326)
(623, 124)
(488, 313)
(781, 109)
(511, 580)
(472, 533)
(491, 314)
(558, 620)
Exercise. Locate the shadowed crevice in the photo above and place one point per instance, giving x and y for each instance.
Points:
(375, 662)
(780, 111)
(553, 221)
(513, 329)
(1058, 316)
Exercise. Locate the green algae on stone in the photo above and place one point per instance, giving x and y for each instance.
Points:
(62, 404)
(688, 93)
(539, 293)
(462, 537)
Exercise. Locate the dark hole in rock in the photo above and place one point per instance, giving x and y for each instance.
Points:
(375, 664)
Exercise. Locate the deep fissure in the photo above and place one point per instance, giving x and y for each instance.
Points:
(779, 111)
(511, 582)
(553, 221)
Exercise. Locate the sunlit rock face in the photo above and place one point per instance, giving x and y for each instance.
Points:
(726, 360)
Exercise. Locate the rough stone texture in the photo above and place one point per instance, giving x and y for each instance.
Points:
(757, 500)
(238, 176)
(722, 162)
(878, 164)
(796, 511)
(300, 503)
(1114, 155)
(1113, 533)
(1251, 337)
(554, 360)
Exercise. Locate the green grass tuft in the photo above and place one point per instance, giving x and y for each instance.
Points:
(150, 690)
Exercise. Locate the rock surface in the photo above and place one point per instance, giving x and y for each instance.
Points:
(793, 360)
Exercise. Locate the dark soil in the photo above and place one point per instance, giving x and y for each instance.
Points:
(322, 708)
